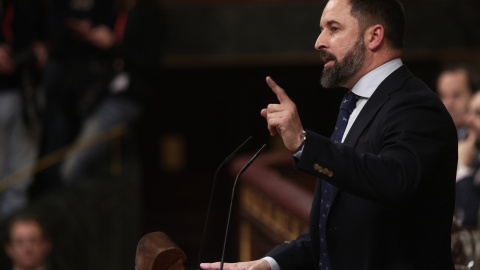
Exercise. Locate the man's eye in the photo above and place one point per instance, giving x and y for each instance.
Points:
(334, 29)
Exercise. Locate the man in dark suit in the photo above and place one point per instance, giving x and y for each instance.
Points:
(385, 194)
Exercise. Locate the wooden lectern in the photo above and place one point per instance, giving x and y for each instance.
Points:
(156, 251)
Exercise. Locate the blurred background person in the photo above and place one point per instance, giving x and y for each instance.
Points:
(136, 53)
(455, 85)
(79, 68)
(465, 228)
(27, 243)
(23, 55)
(468, 174)
(104, 58)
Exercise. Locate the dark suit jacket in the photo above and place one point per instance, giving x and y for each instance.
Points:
(394, 179)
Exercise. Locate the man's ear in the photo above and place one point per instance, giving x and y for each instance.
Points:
(374, 36)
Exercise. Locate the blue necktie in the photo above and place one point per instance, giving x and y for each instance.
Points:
(347, 106)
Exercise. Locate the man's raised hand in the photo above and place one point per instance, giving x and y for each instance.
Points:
(283, 118)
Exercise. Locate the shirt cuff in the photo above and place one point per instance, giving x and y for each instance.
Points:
(464, 171)
(273, 264)
(298, 153)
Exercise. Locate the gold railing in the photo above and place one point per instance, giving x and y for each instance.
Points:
(274, 205)
(113, 134)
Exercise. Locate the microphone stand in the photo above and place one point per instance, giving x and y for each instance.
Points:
(231, 201)
(225, 161)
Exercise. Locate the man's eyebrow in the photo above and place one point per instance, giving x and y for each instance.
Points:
(329, 23)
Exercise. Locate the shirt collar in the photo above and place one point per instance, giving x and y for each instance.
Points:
(370, 81)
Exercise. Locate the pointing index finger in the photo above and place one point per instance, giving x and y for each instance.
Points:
(281, 95)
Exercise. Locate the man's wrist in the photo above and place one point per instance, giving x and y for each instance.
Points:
(301, 141)
(273, 264)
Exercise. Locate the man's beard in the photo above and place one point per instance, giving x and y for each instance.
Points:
(340, 72)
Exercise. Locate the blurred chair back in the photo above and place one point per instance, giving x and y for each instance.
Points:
(156, 251)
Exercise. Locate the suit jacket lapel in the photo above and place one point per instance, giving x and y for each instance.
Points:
(391, 84)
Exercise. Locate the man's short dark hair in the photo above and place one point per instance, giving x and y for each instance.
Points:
(389, 13)
(473, 76)
(24, 217)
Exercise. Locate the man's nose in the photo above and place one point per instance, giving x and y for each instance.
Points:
(320, 44)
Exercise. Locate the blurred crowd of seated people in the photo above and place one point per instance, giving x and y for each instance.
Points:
(69, 70)
(457, 86)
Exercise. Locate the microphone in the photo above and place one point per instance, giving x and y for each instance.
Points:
(231, 200)
(230, 157)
